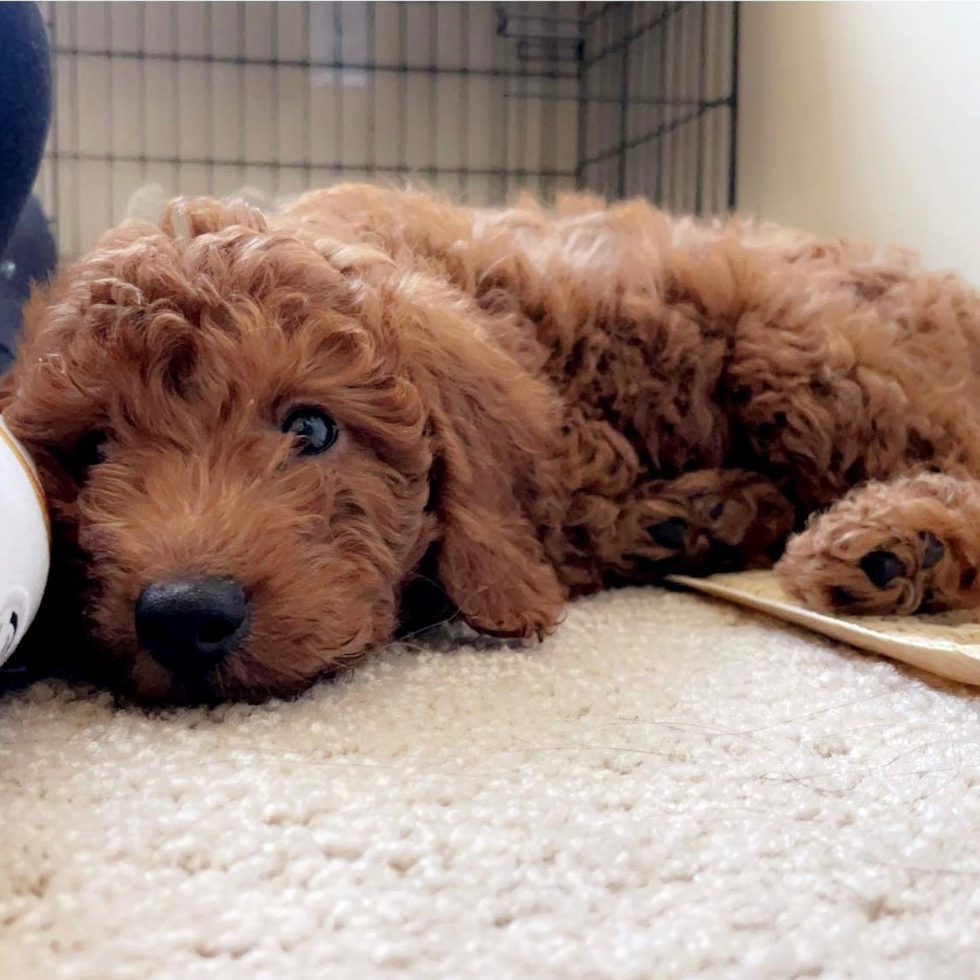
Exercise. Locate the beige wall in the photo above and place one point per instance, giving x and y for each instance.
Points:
(863, 119)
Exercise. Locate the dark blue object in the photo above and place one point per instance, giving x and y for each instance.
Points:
(25, 106)
(26, 248)
(30, 256)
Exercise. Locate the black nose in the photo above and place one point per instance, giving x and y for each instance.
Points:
(189, 626)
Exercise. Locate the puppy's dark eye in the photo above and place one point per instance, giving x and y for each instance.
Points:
(315, 432)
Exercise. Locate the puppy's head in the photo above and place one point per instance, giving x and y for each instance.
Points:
(250, 443)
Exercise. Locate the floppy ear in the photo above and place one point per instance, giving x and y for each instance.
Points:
(492, 427)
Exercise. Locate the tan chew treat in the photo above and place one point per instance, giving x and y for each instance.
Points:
(947, 644)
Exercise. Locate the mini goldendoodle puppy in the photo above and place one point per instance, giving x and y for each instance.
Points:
(273, 442)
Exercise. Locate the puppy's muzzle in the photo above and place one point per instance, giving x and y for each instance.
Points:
(190, 626)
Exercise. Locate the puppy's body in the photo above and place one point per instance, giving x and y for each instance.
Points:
(531, 404)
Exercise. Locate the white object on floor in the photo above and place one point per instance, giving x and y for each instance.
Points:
(669, 787)
(25, 542)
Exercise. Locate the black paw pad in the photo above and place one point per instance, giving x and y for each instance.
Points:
(881, 567)
(932, 549)
(840, 597)
(669, 533)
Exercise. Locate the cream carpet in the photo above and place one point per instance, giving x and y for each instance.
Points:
(667, 788)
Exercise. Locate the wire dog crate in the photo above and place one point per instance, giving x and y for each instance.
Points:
(478, 99)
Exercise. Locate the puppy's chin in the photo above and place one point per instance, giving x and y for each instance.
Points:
(149, 683)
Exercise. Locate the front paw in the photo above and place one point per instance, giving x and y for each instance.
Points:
(904, 574)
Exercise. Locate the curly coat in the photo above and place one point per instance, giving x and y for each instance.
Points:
(533, 404)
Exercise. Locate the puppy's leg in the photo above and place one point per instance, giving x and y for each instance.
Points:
(898, 547)
(702, 522)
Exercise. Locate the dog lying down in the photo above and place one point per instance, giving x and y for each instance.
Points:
(273, 442)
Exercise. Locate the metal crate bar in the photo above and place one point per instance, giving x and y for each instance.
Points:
(479, 100)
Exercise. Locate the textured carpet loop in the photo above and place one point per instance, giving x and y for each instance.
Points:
(666, 788)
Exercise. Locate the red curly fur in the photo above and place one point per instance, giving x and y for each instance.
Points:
(534, 403)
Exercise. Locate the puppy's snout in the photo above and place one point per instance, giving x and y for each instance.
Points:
(189, 626)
